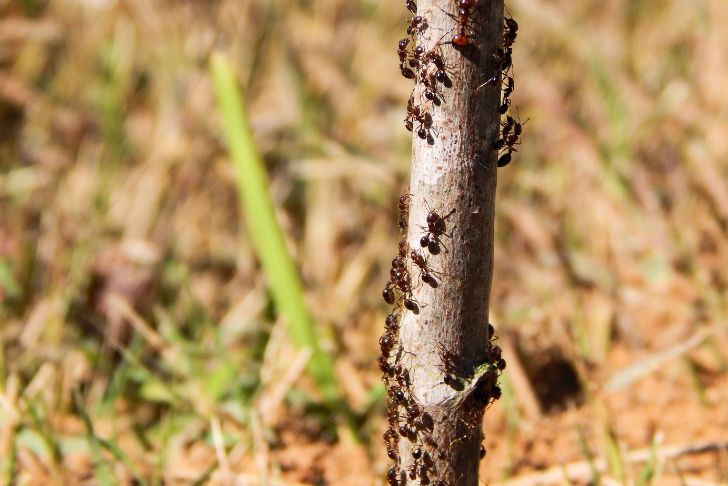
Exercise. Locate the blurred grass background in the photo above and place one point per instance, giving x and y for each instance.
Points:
(139, 342)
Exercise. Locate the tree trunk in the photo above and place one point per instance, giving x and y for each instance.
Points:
(445, 350)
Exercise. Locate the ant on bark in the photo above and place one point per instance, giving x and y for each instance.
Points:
(426, 273)
(436, 228)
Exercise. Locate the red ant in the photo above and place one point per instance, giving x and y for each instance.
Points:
(465, 8)
(426, 273)
(400, 280)
(417, 24)
(391, 323)
(449, 366)
(392, 474)
(435, 229)
(403, 247)
(386, 343)
(385, 367)
(404, 203)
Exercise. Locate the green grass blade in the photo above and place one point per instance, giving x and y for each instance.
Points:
(651, 468)
(265, 234)
(104, 474)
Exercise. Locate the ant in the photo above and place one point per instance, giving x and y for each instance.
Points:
(403, 247)
(404, 205)
(417, 24)
(435, 229)
(392, 474)
(388, 294)
(385, 367)
(465, 8)
(450, 365)
(411, 6)
(507, 126)
(423, 118)
(400, 279)
(413, 411)
(393, 417)
(504, 58)
(436, 223)
(391, 323)
(386, 343)
(510, 86)
(404, 284)
(417, 453)
(491, 332)
(461, 40)
(494, 354)
(509, 32)
(407, 433)
(391, 439)
(427, 274)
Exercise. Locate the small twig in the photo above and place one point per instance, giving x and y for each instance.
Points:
(582, 470)
(654, 362)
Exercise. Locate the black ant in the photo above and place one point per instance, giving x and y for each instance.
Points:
(510, 86)
(494, 354)
(411, 6)
(491, 331)
(509, 32)
(504, 58)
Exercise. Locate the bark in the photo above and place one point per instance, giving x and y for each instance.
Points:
(453, 175)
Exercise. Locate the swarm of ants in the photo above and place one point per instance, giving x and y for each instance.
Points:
(411, 267)
(406, 419)
(511, 127)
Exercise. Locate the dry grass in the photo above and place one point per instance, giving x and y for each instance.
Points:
(131, 296)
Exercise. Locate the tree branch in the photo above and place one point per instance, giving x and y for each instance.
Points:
(446, 367)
